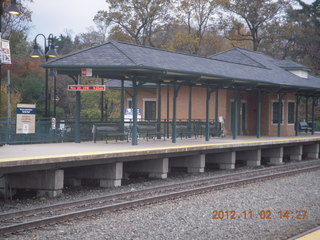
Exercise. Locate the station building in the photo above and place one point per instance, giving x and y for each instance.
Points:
(254, 93)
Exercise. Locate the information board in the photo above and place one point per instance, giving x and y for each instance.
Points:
(26, 119)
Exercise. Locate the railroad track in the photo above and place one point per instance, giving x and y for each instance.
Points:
(43, 216)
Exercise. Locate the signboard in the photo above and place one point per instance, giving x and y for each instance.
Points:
(5, 52)
(86, 72)
(26, 119)
(86, 87)
(128, 114)
(53, 123)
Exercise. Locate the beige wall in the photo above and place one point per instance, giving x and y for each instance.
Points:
(225, 99)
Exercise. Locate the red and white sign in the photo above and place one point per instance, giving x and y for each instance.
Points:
(86, 72)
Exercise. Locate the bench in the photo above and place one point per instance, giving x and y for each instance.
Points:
(149, 130)
(212, 130)
(183, 130)
(304, 127)
(108, 131)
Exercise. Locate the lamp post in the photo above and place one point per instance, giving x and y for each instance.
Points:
(14, 10)
(50, 52)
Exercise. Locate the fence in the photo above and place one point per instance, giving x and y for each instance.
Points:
(65, 130)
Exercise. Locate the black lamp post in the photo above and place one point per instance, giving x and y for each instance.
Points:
(14, 10)
(50, 52)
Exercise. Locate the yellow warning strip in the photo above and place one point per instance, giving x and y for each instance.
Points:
(186, 147)
(311, 236)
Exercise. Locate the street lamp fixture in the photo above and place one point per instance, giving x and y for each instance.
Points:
(50, 52)
(13, 8)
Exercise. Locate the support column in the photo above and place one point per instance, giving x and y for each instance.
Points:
(274, 155)
(78, 109)
(159, 110)
(207, 113)
(294, 153)
(312, 121)
(216, 119)
(122, 106)
(190, 109)
(109, 175)
(174, 119)
(311, 151)
(193, 163)
(297, 116)
(48, 182)
(259, 114)
(226, 160)
(134, 129)
(156, 168)
(279, 114)
(252, 157)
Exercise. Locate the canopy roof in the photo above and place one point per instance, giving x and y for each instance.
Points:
(230, 69)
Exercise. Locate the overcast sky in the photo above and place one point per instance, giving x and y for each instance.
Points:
(56, 16)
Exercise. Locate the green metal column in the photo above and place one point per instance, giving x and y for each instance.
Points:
(234, 119)
(134, 129)
(216, 119)
(122, 106)
(174, 118)
(313, 103)
(279, 114)
(78, 109)
(190, 108)
(102, 102)
(238, 114)
(207, 114)
(296, 121)
(259, 114)
(307, 109)
(159, 110)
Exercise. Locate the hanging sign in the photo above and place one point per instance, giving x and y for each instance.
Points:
(86, 72)
(26, 119)
(5, 52)
(86, 88)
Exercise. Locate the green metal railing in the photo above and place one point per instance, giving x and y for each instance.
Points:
(65, 130)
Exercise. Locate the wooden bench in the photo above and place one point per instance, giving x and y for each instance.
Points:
(304, 127)
(149, 130)
(108, 131)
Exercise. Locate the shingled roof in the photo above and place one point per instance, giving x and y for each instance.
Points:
(236, 65)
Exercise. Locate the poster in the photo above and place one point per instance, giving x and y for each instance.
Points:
(26, 119)
(5, 52)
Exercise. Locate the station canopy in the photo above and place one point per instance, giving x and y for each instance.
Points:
(236, 68)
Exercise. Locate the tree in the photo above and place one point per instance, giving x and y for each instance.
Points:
(196, 15)
(306, 38)
(255, 15)
(139, 19)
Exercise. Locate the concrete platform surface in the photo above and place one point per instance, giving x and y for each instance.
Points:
(15, 155)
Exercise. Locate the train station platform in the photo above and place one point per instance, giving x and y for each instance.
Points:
(51, 166)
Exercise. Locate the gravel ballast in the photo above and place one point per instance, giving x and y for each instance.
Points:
(191, 217)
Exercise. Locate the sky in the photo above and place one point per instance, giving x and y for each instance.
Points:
(57, 16)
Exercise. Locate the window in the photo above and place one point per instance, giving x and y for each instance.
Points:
(291, 112)
(129, 103)
(275, 112)
(149, 110)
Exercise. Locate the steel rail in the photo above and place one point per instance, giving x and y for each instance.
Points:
(148, 200)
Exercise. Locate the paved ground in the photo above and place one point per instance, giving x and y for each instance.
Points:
(34, 151)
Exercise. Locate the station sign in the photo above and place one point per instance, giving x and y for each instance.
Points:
(97, 88)
(26, 119)
(86, 72)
